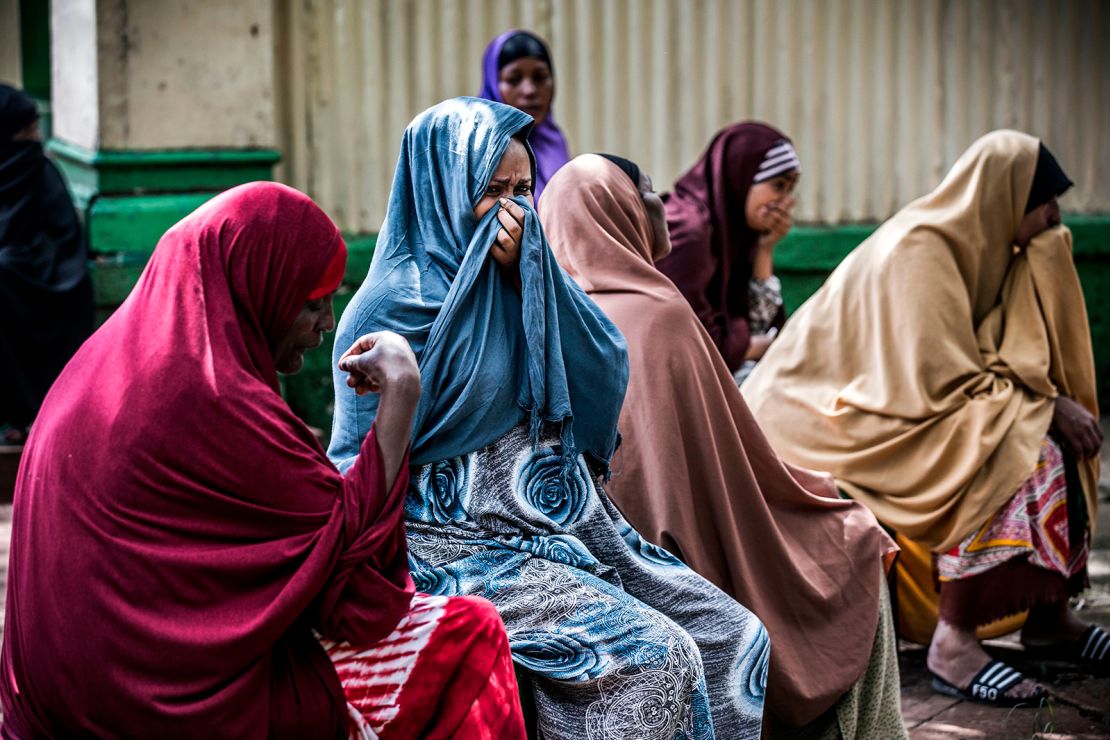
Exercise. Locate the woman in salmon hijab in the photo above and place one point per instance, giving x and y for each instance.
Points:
(696, 476)
(944, 376)
(726, 215)
(186, 562)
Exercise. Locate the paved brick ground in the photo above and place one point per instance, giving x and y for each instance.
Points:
(1080, 709)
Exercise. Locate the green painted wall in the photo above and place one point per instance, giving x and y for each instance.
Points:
(34, 41)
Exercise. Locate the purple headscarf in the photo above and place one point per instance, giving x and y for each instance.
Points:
(547, 140)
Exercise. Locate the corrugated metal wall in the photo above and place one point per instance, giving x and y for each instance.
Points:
(879, 95)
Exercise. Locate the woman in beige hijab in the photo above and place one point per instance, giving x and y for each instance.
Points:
(944, 376)
(695, 474)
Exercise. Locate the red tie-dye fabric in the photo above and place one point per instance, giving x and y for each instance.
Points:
(444, 672)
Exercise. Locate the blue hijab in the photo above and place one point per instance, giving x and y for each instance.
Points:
(490, 358)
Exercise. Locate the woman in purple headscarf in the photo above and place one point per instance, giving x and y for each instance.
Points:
(517, 70)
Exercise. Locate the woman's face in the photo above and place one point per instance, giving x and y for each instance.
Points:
(657, 216)
(512, 177)
(1037, 220)
(527, 84)
(778, 192)
(307, 332)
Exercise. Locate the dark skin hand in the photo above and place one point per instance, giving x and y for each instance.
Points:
(758, 346)
(384, 363)
(513, 177)
(768, 210)
(1044, 216)
(1076, 427)
(506, 248)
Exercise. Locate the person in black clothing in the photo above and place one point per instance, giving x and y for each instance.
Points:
(46, 298)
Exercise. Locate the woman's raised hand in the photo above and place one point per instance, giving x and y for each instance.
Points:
(779, 220)
(1076, 427)
(506, 246)
(383, 363)
(379, 360)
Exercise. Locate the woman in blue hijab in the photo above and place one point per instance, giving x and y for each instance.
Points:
(523, 379)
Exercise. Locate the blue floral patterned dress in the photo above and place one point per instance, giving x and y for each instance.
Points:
(622, 639)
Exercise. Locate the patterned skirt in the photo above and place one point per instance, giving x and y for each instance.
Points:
(1033, 549)
(444, 672)
(618, 637)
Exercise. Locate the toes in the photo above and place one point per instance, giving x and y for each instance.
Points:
(1026, 689)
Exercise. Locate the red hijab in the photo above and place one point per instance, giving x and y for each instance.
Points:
(177, 530)
(711, 242)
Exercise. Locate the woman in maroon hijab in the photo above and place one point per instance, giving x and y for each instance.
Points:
(725, 216)
(186, 561)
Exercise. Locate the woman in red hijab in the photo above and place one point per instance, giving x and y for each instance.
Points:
(725, 216)
(186, 561)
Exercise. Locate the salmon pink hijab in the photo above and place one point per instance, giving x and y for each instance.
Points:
(177, 531)
(695, 473)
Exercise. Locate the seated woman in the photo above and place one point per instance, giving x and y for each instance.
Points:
(726, 215)
(944, 375)
(46, 296)
(186, 562)
(695, 474)
(523, 380)
(517, 71)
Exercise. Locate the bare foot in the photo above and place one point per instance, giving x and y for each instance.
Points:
(957, 657)
(1048, 624)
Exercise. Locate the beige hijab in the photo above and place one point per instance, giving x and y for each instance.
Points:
(695, 474)
(921, 375)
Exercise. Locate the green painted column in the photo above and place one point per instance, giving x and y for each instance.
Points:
(130, 198)
(157, 106)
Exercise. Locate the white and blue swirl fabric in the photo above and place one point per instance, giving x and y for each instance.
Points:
(621, 639)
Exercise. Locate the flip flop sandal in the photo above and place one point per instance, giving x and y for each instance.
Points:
(990, 686)
(1091, 649)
